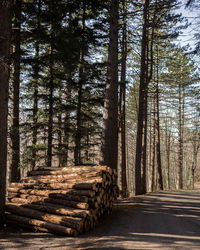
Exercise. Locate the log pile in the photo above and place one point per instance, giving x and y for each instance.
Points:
(65, 201)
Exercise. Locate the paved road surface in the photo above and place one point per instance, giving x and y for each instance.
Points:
(166, 220)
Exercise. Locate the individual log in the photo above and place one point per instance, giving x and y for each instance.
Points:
(46, 193)
(60, 172)
(43, 172)
(17, 185)
(57, 209)
(66, 186)
(71, 222)
(71, 169)
(53, 228)
(12, 195)
(65, 178)
(74, 204)
(69, 197)
(13, 223)
(67, 203)
(56, 196)
(25, 201)
(62, 186)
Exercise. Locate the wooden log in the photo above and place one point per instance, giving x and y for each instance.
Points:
(71, 169)
(44, 172)
(12, 195)
(93, 205)
(67, 177)
(84, 167)
(66, 186)
(88, 193)
(38, 181)
(15, 224)
(71, 222)
(53, 228)
(56, 196)
(58, 209)
(95, 199)
(70, 197)
(67, 203)
(74, 204)
(87, 225)
(61, 172)
(26, 200)
(63, 178)
(17, 185)
(62, 186)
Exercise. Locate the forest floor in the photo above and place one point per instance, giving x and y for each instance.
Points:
(164, 220)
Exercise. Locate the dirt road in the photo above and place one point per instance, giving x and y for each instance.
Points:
(166, 220)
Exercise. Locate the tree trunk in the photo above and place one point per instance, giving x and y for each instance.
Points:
(35, 94)
(110, 114)
(150, 181)
(67, 116)
(196, 146)
(60, 156)
(154, 179)
(51, 95)
(14, 134)
(180, 140)
(77, 149)
(50, 120)
(168, 149)
(157, 129)
(5, 21)
(140, 161)
(122, 98)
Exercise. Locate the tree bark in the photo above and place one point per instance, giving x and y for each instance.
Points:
(51, 92)
(168, 150)
(50, 120)
(140, 161)
(110, 114)
(153, 180)
(157, 130)
(5, 31)
(35, 93)
(77, 149)
(14, 134)
(67, 116)
(122, 101)
(180, 139)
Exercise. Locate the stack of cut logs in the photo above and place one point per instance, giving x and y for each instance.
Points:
(66, 201)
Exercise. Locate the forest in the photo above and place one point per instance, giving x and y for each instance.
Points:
(88, 83)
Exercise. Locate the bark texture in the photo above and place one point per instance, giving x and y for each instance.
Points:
(5, 29)
(110, 114)
(14, 134)
(140, 161)
(122, 104)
